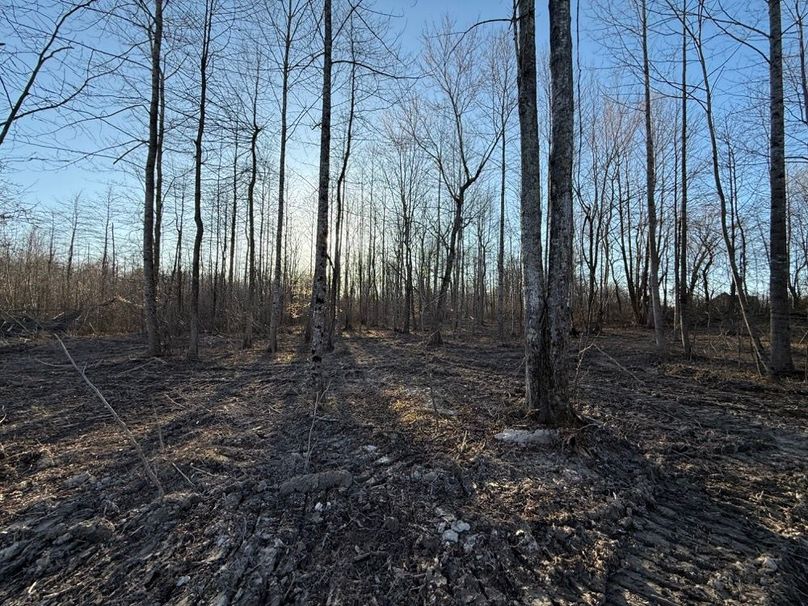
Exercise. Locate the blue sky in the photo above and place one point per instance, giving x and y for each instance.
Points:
(48, 182)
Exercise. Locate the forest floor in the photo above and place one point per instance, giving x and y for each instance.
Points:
(687, 484)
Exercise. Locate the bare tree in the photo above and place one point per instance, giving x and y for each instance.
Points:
(780, 362)
(56, 45)
(319, 287)
(696, 35)
(463, 156)
(155, 32)
(288, 32)
(533, 289)
(255, 130)
(559, 268)
(684, 292)
(204, 65)
(650, 184)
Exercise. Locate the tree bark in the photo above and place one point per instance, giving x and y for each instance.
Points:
(650, 184)
(193, 346)
(149, 277)
(684, 292)
(277, 296)
(319, 289)
(250, 310)
(536, 371)
(501, 244)
(780, 362)
(559, 272)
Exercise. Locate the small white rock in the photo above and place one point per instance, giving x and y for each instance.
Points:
(460, 526)
(450, 536)
(183, 580)
(524, 437)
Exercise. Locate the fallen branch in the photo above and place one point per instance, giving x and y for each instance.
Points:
(149, 471)
(620, 366)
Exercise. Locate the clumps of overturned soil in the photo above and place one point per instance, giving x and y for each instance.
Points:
(688, 482)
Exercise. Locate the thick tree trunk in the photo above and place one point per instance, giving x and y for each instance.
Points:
(536, 370)
(319, 287)
(780, 362)
(559, 272)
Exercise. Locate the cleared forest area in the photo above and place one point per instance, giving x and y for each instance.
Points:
(685, 485)
(396, 302)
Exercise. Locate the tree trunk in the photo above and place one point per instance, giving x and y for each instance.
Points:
(559, 272)
(336, 277)
(737, 281)
(780, 362)
(501, 246)
(684, 292)
(149, 277)
(193, 346)
(536, 370)
(319, 290)
(650, 184)
(250, 308)
(277, 298)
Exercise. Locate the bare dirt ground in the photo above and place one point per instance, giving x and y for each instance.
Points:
(687, 484)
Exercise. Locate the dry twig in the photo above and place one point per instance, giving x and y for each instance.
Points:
(149, 471)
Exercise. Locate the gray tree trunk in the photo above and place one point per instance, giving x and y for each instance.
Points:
(501, 245)
(737, 280)
(780, 362)
(149, 277)
(559, 272)
(536, 372)
(650, 184)
(249, 316)
(684, 292)
(319, 287)
(193, 346)
(277, 296)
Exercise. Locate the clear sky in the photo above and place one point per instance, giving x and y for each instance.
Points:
(47, 182)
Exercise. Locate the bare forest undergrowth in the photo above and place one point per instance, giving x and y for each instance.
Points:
(687, 484)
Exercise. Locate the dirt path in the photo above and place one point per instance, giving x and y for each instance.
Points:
(686, 486)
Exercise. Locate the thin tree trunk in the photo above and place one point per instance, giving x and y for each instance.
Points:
(336, 277)
(737, 280)
(193, 346)
(684, 292)
(501, 247)
(149, 277)
(277, 298)
(250, 311)
(650, 183)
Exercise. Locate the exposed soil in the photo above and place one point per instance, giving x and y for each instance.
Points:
(687, 484)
